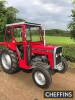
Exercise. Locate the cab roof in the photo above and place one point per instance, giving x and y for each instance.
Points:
(22, 23)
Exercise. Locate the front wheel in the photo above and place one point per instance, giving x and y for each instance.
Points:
(41, 77)
(64, 66)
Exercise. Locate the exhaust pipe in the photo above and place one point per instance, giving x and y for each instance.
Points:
(44, 37)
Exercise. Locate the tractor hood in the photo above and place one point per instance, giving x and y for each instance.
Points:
(46, 47)
(41, 47)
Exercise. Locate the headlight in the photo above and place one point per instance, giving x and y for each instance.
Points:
(60, 54)
(56, 55)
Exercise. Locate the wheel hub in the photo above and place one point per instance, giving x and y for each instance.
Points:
(40, 78)
(6, 61)
(60, 67)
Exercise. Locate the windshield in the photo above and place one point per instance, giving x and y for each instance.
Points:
(34, 34)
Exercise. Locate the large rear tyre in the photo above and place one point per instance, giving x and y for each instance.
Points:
(41, 77)
(9, 61)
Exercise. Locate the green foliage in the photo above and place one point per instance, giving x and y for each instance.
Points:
(2, 7)
(72, 23)
(69, 52)
(20, 20)
(1, 37)
(57, 32)
(11, 14)
(2, 15)
(7, 15)
(3, 21)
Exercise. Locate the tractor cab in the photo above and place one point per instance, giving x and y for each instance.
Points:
(28, 32)
(23, 36)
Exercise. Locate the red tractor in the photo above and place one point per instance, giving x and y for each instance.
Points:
(24, 48)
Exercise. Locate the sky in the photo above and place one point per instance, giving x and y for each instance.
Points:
(52, 14)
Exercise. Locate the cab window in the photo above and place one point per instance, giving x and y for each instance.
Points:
(18, 34)
(8, 35)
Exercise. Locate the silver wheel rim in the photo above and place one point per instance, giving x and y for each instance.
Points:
(61, 68)
(40, 78)
(6, 61)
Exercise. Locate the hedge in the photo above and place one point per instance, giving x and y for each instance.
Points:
(57, 32)
(69, 52)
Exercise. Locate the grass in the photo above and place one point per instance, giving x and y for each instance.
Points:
(71, 64)
(59, 40)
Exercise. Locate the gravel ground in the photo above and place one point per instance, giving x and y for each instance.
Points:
(20, 86)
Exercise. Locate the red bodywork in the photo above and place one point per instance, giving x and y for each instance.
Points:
(36, 47)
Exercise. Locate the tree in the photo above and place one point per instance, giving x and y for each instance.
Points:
(20, 20)
(11, 14)
(3, 18)
(7, 15)
(72, 23)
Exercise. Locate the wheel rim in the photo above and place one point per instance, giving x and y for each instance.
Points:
(6, 61)
(40, 78)
(60, 68)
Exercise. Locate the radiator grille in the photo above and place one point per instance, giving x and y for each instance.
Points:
(58, 52)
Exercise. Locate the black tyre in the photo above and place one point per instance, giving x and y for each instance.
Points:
(9, 61)
(65, 66)
(41, 77)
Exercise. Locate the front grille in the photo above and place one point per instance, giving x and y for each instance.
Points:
(58, 52)
(58, 60)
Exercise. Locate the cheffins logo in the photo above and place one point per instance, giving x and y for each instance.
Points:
(58, 94)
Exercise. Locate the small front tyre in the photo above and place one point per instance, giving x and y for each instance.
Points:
(64, 66)
(41, 77)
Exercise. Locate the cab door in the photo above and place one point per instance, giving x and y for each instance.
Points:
(23, 47)
(19, 41)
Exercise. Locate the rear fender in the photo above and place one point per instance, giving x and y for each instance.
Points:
(11, 46)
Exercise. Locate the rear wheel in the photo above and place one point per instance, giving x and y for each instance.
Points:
(42, 76)
(9, 61)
